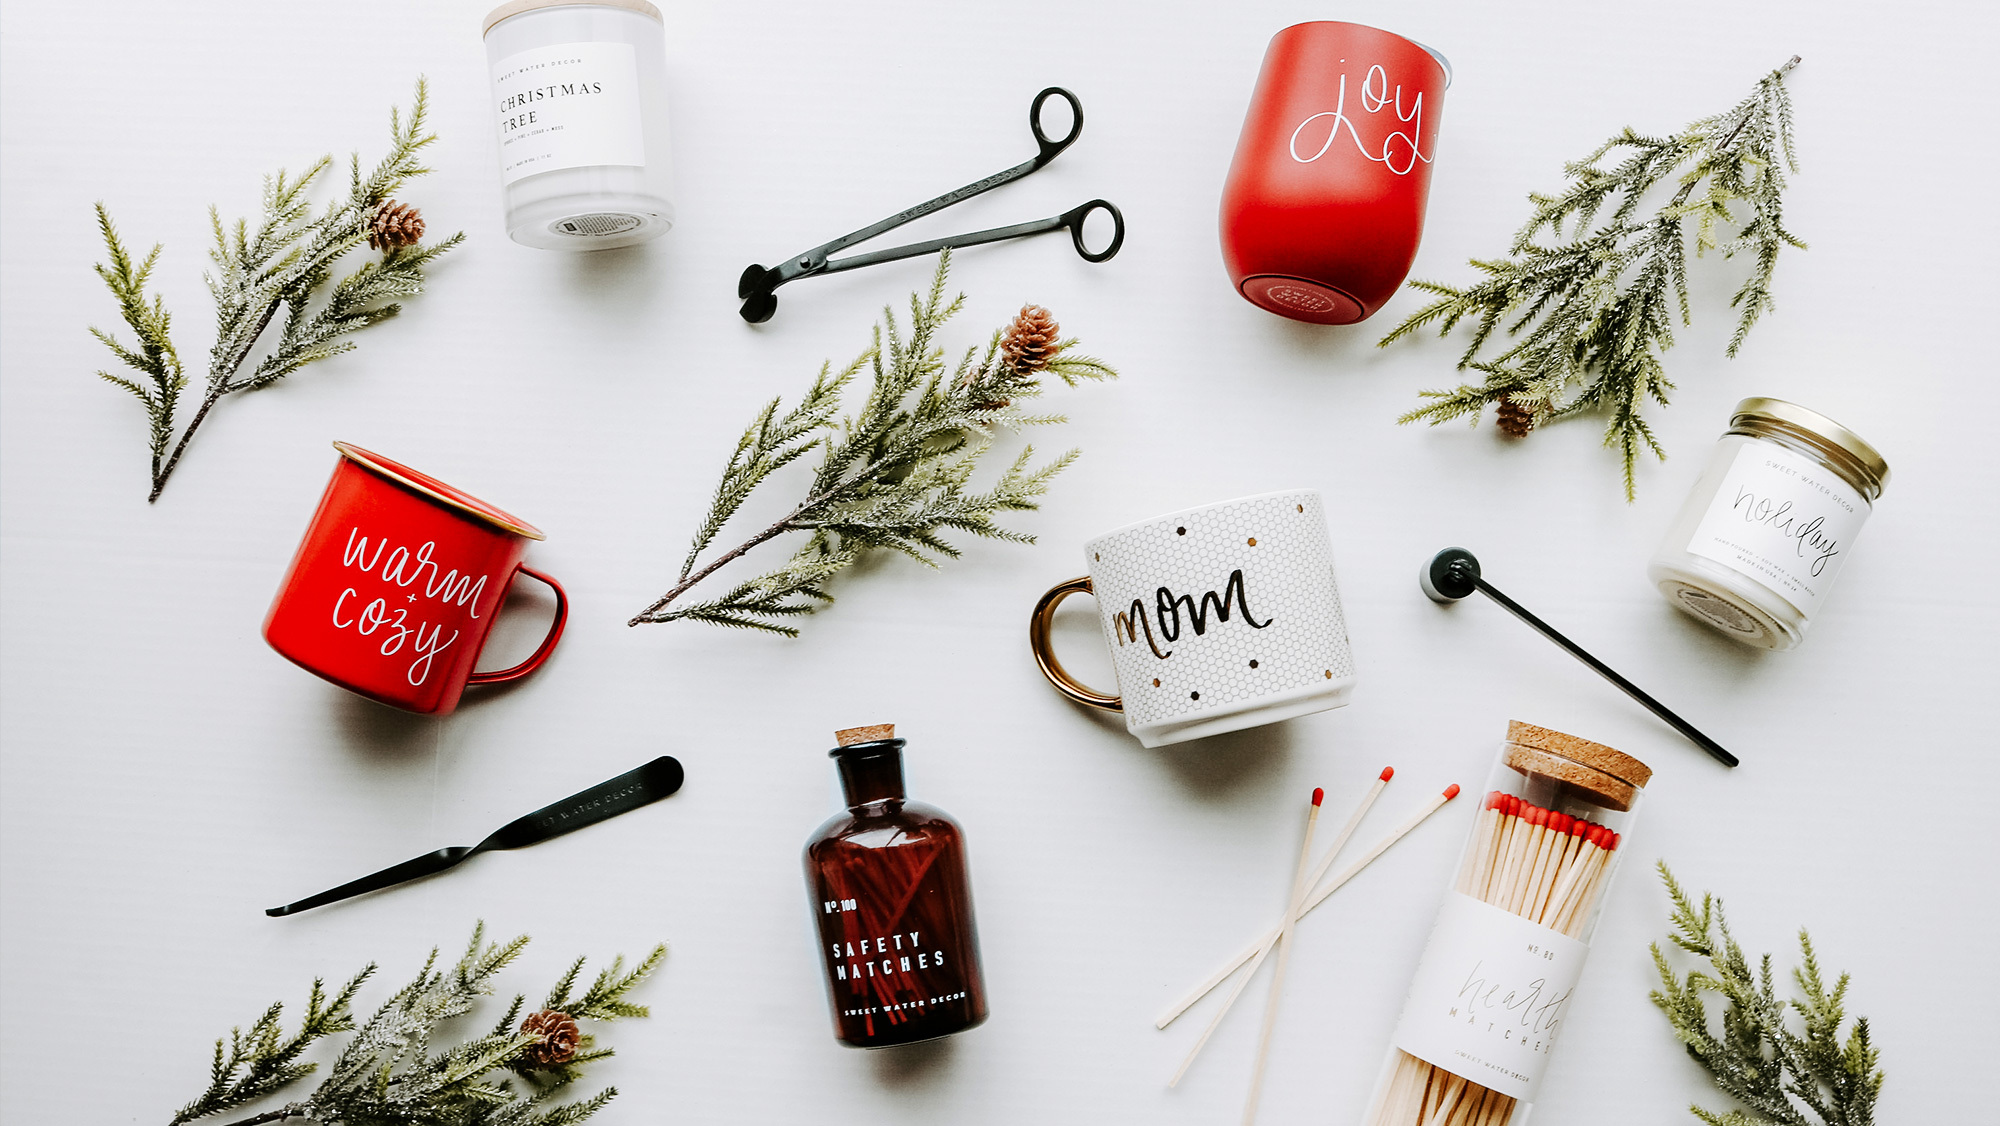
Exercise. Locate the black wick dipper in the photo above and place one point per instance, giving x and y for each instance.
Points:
(1453, 574)
(630, 790)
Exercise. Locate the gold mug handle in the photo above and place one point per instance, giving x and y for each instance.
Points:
(1038, 640)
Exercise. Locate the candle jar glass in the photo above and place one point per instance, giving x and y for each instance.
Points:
(1497, 977)
(579, 97)
(1769, 523)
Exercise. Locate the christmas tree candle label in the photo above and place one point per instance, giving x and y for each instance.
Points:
(893, 905)
(568, 106)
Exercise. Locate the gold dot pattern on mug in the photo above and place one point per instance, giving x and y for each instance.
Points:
(1279, 544)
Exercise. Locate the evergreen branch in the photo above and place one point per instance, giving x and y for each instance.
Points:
(896, 474)
(286, 262)
(1781, 1074)
(389, 1074)
(1591, 315)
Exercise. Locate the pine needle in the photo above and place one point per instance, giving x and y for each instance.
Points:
(1592, 312)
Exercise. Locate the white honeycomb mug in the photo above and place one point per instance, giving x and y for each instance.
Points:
(1218, 618)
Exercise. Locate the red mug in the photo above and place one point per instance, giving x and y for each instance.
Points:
(396, 584)
(1324, 204)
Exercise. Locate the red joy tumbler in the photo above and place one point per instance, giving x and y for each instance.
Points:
(1324, 204)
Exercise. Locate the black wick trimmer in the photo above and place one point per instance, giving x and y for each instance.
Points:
(759, 284)
(1453, 574)
(630, 790)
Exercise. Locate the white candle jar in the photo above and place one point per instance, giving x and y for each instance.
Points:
(1770, 523)
(579, 99)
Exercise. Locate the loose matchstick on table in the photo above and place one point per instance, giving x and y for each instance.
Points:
(1300, 882)
(1326, 861)
(1262, 946)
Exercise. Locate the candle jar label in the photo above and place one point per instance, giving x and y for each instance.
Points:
(1490, 996)
(1782, 519)
(572, 105)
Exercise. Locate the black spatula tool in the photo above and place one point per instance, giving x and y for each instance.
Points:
(630, 790)
(1453, 574)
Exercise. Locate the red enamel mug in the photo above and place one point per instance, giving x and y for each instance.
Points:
(397, 583)
(1324, 204)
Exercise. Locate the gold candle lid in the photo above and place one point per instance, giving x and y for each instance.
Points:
(1865, 468)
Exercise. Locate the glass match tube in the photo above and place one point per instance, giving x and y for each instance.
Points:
(1497, 977)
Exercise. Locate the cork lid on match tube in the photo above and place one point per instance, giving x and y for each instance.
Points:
(1606, 777)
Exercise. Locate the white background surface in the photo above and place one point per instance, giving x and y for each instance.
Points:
(167, 776)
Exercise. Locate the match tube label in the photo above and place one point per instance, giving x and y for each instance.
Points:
(1490, 996)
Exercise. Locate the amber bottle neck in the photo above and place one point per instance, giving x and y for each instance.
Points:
(871, 772)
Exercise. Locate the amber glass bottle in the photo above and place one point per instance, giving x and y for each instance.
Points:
(894, 909)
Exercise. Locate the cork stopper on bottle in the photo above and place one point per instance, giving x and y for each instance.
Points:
(874, 733)
(1609, 777)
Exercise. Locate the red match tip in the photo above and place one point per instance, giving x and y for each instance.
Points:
(1451, 791)
(1579, 828)
(1615, 838)
(1563, 822)
(1495, 800)
(1388, 772)
(1319, 795)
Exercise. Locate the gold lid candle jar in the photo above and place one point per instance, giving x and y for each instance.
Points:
(579, 99)
(1770, 523)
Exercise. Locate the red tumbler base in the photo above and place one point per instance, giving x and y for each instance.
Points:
(1302, 300)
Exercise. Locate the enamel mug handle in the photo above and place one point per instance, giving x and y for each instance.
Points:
(548, 645)
(1038, 640)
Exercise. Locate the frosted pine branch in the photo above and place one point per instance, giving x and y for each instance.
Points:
(392, 1071)
(1591, 310)
(286, 263)
(897, 475)
(1780, 1071)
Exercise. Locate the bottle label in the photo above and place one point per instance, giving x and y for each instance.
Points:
(897, 942)
(572, 105)
(1490, 996)
(1782, 519)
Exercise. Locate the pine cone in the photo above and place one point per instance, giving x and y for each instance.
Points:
(1031, 341)
(1515, 418)
(394, 224)
(559, 1038)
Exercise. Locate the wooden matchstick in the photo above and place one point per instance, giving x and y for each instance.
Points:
(1262, 947)
(1300, 877)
